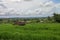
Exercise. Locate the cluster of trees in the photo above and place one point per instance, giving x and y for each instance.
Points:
(54, 18)
(57, 17)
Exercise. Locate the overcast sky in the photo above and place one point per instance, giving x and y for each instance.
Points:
(29, 7)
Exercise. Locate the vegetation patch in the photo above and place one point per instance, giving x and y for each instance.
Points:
(37, 31)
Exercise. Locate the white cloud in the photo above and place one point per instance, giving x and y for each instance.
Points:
(32, 7)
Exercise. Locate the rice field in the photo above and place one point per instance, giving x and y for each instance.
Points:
(33, 31)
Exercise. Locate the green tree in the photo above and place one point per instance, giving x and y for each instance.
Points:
(57, 17)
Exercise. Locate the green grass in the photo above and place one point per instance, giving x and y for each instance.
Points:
(36, 31)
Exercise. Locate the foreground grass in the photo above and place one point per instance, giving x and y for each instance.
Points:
(36, 31)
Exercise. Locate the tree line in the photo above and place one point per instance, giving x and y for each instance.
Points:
(54, 18)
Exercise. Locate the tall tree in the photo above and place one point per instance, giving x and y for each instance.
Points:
(57, 17)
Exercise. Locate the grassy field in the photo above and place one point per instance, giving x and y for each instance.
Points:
(36, 31)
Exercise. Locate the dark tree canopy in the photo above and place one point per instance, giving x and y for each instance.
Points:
(57, 17)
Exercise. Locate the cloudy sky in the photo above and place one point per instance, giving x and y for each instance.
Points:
(37, 8)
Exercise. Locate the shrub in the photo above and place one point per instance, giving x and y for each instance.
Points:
(20, 23)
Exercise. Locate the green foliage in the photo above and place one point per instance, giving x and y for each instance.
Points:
(57, 17)
(33, 31)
